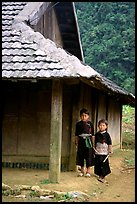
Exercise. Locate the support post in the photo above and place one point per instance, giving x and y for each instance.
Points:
(56, 132)
(72, 157)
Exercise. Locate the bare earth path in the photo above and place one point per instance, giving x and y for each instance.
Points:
(120, 187)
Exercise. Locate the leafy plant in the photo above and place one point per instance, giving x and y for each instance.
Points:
(45, 181)
(64, 197)
(128, 127)
(34, 193)
(130, 162)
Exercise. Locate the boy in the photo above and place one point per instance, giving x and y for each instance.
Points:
(84, 132)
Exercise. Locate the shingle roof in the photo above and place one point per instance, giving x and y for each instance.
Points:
(27, 54)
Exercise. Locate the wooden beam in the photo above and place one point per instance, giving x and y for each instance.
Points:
(121, 126)
(72, 157)
(56, 132)
(72, 36)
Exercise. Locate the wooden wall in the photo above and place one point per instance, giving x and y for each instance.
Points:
(88, 100)
(48, 26)
(27, 115)
(100, 105)
(111, 109)
(27, 118)
(115, 122)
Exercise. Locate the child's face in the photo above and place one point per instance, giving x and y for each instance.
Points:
(84, 117)
(102, 127)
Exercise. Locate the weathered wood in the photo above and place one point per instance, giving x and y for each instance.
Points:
(72, 158)
(120, 115)
(56, 132)
(102, 102)
(114, 120)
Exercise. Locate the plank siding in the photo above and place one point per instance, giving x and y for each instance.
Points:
(26, 119)
(102, 108)
(114, 120)
(48, 27)
(74, 119)
(10, 134)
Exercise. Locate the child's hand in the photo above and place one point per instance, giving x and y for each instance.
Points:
(110, 153)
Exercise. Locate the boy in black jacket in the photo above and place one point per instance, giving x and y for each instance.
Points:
(84, 132)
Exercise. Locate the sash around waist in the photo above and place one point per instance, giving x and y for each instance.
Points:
(85, 135)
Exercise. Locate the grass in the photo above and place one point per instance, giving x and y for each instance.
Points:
(64, 198)
(128, 135)
(128, 127)
(45, 181)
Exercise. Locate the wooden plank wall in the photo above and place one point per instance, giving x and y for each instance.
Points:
(86, 99)
(114, 119)
(26, 122)
(27, 116)
(48, 26)
(75, 98)
(102, 106)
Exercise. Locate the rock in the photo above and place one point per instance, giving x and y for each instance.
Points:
(58, 193)
(47, 197)
(44, 192)
(75, 194)
(35, 188)
(20, 196)
(6, 187)
(23, 187)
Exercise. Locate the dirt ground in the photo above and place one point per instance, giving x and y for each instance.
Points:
(120, 187)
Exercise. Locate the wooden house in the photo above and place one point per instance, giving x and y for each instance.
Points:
(45, 83)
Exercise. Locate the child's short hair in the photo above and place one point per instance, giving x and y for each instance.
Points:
(103, 121)
(84, 110)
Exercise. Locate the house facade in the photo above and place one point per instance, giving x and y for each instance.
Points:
(45, 83)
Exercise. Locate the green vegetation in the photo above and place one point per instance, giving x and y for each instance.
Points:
(45, 181)
(130, 159)
(107, 32)
(64, 198)
(34, 194)
(128, 127)
(128, 135)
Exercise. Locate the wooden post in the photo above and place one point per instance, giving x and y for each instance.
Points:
(75, 118)
(56, 132)
(120, 115)
(72, 157)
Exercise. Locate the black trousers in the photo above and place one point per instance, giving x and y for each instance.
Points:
(85, 154)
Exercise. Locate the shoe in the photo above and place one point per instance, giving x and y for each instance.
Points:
(87, 175)
(81, 174)
(79, 168)
(102, 180)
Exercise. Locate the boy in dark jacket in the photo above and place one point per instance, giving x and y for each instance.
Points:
(84, 132)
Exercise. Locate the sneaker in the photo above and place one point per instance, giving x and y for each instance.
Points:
(81, 174)
(87, 175)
